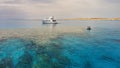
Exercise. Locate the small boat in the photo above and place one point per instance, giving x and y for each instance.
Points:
(50, 20)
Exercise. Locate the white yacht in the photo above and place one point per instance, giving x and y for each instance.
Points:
(50, 20)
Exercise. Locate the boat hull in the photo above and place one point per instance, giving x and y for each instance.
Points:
(48, 22)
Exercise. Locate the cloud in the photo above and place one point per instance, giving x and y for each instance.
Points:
(25, 1)
(64, 8)
(43, 1)
(10, 12)
(112, 1)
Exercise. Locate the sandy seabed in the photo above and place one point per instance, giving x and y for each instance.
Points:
(42, 34)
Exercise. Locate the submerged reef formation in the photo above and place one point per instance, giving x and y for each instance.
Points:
(6, 63)
(59, 48)
(25, 61)
(22, 53)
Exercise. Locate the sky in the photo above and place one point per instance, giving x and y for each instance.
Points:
(38, 9)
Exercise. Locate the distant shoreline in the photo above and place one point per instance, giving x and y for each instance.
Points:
(68, 19)
(92, 19)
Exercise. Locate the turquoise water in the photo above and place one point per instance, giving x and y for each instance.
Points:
(98, 48)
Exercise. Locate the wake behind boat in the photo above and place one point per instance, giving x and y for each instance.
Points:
(50, 20)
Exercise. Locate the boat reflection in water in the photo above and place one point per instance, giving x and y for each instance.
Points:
(50, 27)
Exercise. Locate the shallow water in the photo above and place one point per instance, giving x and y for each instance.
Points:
(98, 48)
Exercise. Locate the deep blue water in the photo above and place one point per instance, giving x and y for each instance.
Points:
(98, 48)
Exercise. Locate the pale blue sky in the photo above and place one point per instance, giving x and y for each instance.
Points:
(58, 8)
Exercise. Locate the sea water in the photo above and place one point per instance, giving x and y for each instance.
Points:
(97, 48)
